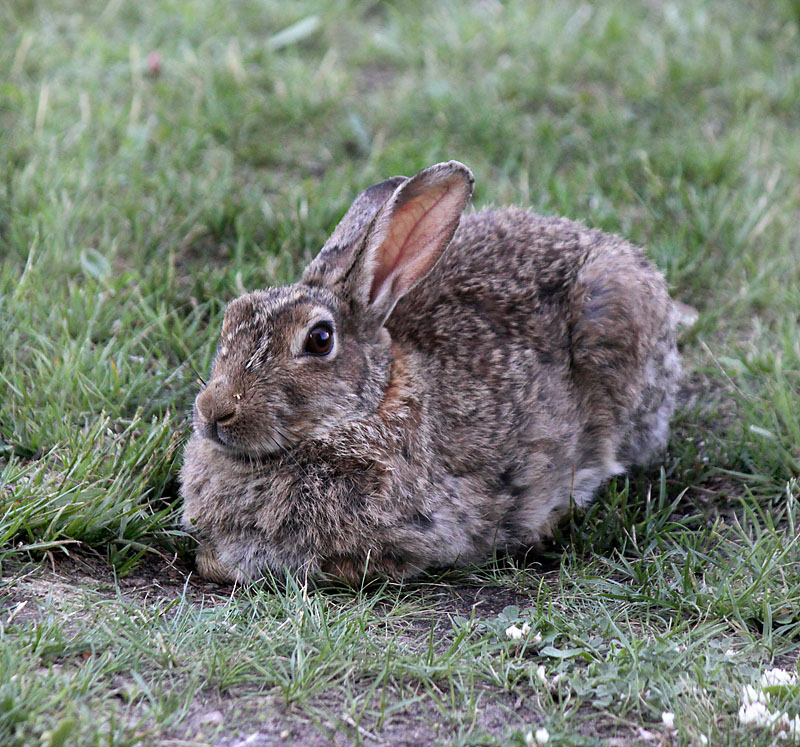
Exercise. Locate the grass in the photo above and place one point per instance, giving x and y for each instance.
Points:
(138, 195)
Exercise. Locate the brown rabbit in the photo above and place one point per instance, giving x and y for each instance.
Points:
(429, 392)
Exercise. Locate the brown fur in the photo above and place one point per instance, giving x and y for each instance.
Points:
(466, 401)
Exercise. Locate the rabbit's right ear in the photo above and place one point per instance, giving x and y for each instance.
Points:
(402, 242)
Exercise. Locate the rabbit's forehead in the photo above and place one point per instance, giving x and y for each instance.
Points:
(271, 318)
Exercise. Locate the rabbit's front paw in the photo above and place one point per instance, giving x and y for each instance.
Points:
(211, 568)
(357, 570)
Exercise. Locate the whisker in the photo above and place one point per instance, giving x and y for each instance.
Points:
(200, 380)
(285, 449)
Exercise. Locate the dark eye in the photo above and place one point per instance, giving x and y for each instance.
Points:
(319, 340)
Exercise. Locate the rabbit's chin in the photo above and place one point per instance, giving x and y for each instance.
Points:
(265, 447)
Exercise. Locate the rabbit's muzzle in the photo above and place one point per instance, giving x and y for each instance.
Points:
(225, 415)
(217, 411)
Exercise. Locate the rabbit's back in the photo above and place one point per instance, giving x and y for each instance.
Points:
(546, 335)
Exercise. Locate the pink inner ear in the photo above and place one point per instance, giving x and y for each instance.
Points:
(414, 236)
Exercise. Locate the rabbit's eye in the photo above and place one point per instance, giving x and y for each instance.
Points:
(319, 340)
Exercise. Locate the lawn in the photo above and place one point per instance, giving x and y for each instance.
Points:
(159, 158)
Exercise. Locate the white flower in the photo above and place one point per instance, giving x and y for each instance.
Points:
(778, 721)
(781, 721)
(517, 634)
(540, 675)
(759, 715)
(703, 739)
(514, 633)
(752, 695)
(755, 713)
(542, 736)
(668, 719)
(756, 702)
(778, 677)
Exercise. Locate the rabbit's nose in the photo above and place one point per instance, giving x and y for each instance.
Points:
(217, 408)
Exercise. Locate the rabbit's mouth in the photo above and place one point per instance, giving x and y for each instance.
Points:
(268, 443)
(214, 433)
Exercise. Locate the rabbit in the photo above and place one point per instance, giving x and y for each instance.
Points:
(436, 388)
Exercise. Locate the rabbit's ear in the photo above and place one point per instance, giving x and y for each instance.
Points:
(409, 234)
(391, 237)
(336, 257)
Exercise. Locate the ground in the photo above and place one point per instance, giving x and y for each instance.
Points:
(159, 158)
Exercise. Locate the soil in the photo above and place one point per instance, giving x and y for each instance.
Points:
(247, 719)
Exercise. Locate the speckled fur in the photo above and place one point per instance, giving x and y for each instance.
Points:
(535, 360)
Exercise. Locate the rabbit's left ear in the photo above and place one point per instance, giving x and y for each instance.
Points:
(336, 258)
(390, 239)
(409, 234)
